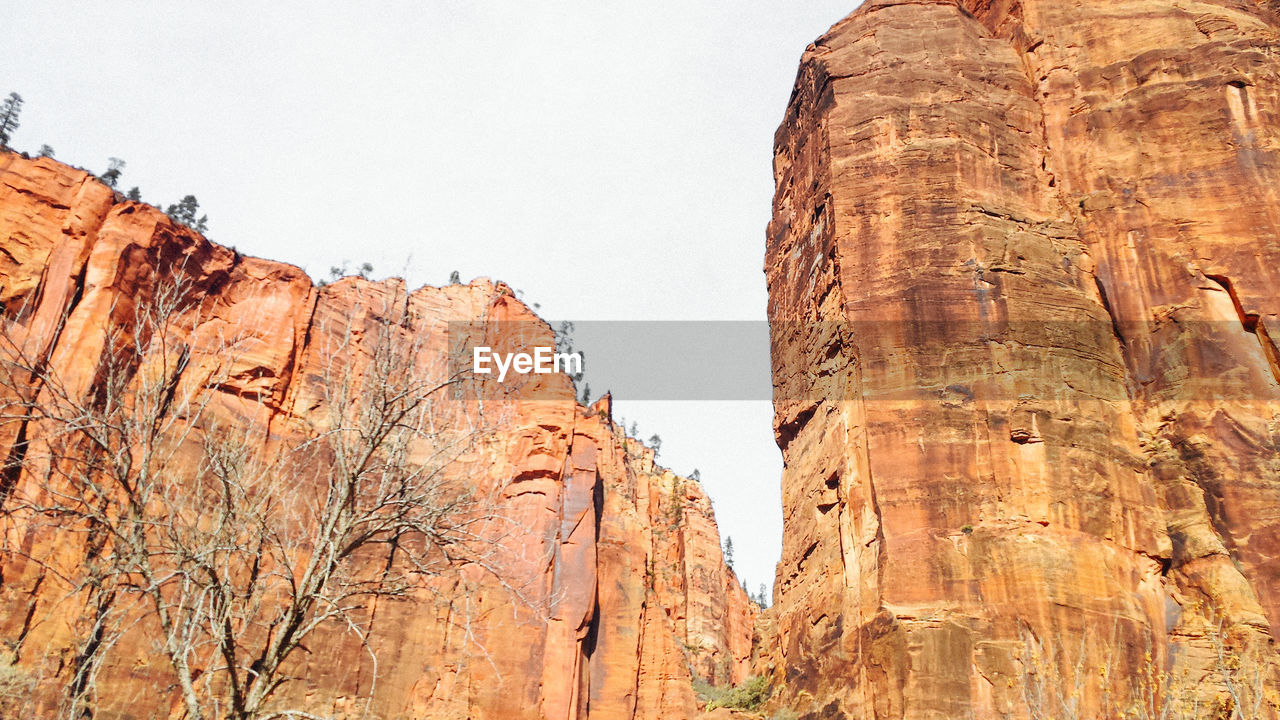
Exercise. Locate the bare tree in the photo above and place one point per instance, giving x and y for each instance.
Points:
(229, 552)
(1235, 682)
(15, 690)
(1246, 671)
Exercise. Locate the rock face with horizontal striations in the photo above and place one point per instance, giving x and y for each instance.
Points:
(605, 593)
(1024, 281)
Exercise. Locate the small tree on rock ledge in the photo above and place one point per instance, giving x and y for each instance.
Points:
(185, 211)
(10, 109)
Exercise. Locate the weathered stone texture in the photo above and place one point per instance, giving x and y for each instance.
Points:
(588, 516)
(1023, 274)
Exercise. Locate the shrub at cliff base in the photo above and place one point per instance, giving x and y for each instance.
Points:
(750, 695)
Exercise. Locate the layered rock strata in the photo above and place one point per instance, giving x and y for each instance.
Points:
(606, 593)
(1023, 274)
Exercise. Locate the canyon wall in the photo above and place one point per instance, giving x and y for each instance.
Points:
(605, 591)
(1024, 282)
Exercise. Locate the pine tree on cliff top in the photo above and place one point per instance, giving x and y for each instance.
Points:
(10, 109)
(115, 166)
(184, 211)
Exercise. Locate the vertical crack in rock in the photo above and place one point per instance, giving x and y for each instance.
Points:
(1111, 313)
(36, 313)
(12, 469)
(298, 352)
(34, 595)
(591, 637)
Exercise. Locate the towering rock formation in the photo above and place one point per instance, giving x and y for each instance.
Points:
(606, 590)
(1024, 278)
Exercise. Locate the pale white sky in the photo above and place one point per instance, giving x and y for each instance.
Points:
(612, 160)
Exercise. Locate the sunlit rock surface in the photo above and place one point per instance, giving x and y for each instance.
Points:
(609, 592)
(1024, 283)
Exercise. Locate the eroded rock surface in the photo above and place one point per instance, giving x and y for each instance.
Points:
(610, 591)
(1024, 281)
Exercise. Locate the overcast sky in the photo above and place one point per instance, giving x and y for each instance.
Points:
(612, 160)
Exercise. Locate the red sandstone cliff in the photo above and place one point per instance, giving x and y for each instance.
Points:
(610, 589)
(1024, 279)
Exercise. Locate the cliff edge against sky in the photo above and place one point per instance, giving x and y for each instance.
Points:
(602, 590)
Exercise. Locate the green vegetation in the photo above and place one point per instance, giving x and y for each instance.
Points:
(184, 211)
(115, 166)
(675, 513)
(750, 695)
(565, 345)
(337, 273)
(10, 109)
